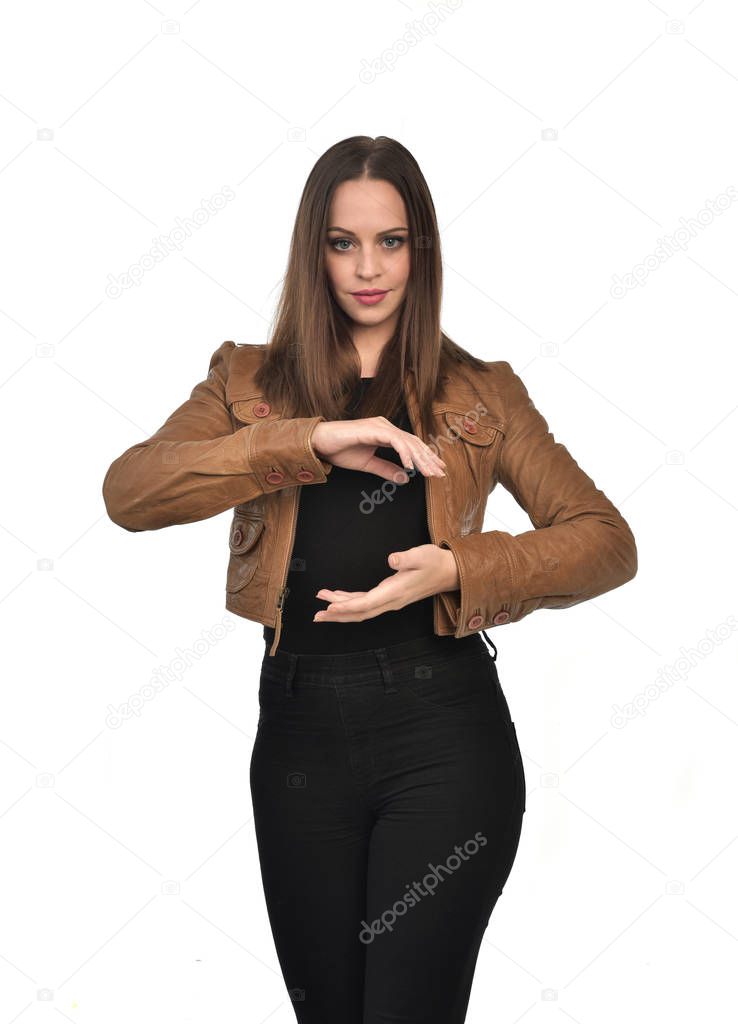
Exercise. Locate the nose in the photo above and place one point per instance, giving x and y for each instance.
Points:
(368, 265)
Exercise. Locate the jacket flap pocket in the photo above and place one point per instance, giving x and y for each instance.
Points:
(241, 571)
(476, 428)
(245, 531)
(251, 408)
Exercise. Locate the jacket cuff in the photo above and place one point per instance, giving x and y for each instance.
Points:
(279, 453)
(485, 596)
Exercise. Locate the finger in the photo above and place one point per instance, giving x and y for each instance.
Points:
(337, 595)
(428, 458)
(435, 456)
(388, 435)
(348, 612)
(362, 605)
(339, 609)
(414, 458)
(387, 470)
(413, 451)
(423, 456)
(405, 452)
(428, 450)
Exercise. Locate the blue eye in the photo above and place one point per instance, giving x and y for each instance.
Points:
(335, 242)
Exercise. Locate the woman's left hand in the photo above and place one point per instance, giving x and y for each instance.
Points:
(420, 572)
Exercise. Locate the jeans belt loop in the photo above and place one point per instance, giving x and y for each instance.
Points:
(289, 692)
(386, 669)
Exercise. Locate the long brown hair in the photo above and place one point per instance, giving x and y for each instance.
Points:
(311, 364)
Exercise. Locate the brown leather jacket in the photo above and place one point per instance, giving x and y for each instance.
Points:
(226, 447)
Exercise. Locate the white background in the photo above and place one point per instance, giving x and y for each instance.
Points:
(561, 143)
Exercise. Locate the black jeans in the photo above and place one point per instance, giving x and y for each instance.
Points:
(388, 794)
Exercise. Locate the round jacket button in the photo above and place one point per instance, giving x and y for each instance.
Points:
(237, 535)
(262, 409)
(470, 426)
(305, 474)
(474, 622)
(501, 617)
(275, 477)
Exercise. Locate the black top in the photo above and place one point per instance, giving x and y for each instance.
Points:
(345, 530)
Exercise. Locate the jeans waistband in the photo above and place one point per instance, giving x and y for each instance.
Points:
(355, 662)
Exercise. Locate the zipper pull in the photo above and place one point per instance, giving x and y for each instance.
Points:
(280, 605)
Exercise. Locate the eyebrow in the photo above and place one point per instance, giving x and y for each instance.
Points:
(387, 231)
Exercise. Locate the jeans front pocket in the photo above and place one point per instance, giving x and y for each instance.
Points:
(512, 734)
(456, 685)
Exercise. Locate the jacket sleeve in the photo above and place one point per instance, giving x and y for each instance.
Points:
(196, 465)
(580, 547)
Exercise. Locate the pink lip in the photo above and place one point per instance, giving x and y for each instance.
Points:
(369, 298)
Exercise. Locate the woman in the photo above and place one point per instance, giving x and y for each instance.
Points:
(386, 777)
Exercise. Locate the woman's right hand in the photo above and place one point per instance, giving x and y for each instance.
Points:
(351, 444)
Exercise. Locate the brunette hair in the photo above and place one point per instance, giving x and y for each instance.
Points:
(311, 363)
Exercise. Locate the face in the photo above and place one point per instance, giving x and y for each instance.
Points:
(367, 249)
